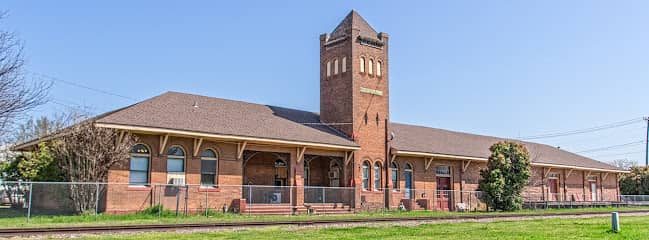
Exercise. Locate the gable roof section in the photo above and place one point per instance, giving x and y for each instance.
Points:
(200, 114)
(411, 138)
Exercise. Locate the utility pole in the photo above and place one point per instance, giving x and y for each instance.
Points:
(646, 142)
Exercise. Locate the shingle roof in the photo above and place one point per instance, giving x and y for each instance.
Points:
(354, 21)
(438, 141)
(188, 112)
(180, 111)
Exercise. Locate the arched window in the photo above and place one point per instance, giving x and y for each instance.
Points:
(378, 68)
(344, 64)
(336, 66)
(366, 176)
(377, 177)
(175, 160)
(362, 64)
(371, 66)
(328, 68)
(139, 165)
(209, 168)
(395, 176)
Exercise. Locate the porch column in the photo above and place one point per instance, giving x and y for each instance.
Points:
(297, 176)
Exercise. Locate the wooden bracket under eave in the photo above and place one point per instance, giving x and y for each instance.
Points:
(428, 161)
(465, 165)
(546, 173)
(348, 157)
(604, 177)
(163, 142)
(300, 153)
(569, 173)
(197, 145)
(240, 148)
(120, 137)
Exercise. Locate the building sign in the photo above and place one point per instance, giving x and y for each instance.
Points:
(372, 91)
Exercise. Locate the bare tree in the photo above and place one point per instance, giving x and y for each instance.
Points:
(85, 154)
(35, 128)
(623, 163)
(17, 96)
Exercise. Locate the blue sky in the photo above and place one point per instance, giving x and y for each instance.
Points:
(502, 68)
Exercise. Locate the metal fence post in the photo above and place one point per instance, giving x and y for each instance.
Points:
(29, 207)
(249, 196)
(207, 207)
(160, 205)
(96, 200)
(323, 195)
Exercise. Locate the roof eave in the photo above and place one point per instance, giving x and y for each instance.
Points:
(225, 137)
(459, 157)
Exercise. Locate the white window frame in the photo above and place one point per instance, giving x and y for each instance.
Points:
(328, 68)
(376, 177)
(365, 174)
(148, 171)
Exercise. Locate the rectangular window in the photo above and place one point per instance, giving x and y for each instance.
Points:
(344, 64)
(139, 171)
(443, 171)
(208, 172)
(175, 165)
(395, 181)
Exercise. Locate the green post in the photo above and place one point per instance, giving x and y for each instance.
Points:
(615, 222)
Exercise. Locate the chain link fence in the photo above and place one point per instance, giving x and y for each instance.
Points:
(51, 199)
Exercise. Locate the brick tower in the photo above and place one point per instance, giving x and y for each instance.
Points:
(354, 98)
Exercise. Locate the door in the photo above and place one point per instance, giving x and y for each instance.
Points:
(408, 184)
(593, 191)
(444, 193)
(554, 189)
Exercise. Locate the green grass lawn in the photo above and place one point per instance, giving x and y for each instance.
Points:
(12, 221)
(633, 227)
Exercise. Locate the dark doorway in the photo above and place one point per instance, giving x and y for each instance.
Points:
(444, 193)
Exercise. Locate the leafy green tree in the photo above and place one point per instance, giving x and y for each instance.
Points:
(636, 182)
(38, 165)
(507, 173)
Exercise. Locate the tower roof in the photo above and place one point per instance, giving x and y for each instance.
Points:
(353, 20)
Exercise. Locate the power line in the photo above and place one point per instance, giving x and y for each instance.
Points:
(82, 86)
(612, 147)
(584, 130)
(617, 154)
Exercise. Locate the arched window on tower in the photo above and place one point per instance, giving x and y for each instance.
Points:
(344, 64)
(378, 68)
(328, 68)
(366, 175)
(377, 176)
(335, 66)
(370, 66)
(362, 64)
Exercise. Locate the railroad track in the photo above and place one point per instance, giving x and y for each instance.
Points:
(22, 232)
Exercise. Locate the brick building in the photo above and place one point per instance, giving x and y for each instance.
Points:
(238, 154)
